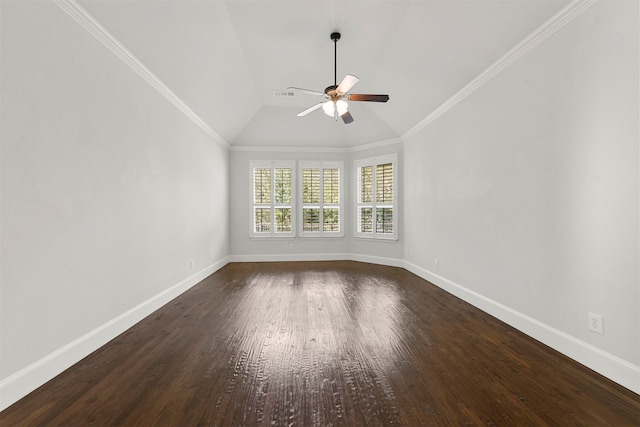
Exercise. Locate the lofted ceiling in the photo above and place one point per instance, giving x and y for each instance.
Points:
(224, 59)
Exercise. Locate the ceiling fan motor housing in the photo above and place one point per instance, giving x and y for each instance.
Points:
(331, 93)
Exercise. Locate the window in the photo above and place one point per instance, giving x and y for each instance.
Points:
(272, 199)
(321, 199)
(376, 198)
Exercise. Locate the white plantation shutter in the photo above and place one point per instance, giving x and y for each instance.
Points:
(364, 200)
(321, 196)
(384, 198)
(310, 199)
(262, 200)
(376, 214)
(272, 199)
(331, 200)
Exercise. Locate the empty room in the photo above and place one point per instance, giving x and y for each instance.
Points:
(319, 213)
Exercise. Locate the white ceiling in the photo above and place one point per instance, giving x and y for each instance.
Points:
(225, 58)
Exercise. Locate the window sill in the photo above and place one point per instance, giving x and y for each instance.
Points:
(377, 239)
(271, 237)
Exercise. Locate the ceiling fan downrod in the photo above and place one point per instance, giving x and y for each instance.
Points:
(335, 37)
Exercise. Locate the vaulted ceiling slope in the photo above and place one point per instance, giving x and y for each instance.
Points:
(224, 59)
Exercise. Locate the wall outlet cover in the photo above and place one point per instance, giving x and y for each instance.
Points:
(595, 323)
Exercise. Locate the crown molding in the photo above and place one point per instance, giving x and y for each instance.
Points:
(553, 24)
(376, 144)
(91, 24)
(354, 149)
(271, 149)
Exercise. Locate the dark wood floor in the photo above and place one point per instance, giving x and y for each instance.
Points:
(323, 344)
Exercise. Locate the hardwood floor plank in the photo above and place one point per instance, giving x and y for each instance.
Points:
(323, 344)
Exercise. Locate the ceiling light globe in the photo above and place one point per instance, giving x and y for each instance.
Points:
(342, 106)
(329, 108)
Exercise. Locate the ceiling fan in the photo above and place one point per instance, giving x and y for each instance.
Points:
(336, 96)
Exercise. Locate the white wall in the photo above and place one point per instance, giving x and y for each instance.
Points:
(244, 248)
(107, 192)
(527, 191)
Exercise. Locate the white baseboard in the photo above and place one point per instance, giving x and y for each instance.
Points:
(23, 382)
(622, 372)
(392, 262)
(372, 259)
(288, 257)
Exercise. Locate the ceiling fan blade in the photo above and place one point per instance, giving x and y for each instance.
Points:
(347, 83)
(307, 91)
(310, 109)
(365, 97)
(347, 118)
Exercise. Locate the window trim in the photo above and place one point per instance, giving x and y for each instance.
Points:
(374, 162)
(272, 234)
(304, 164)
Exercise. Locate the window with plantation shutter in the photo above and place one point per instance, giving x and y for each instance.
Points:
(321, 199)
(376, 213)
(272, 199)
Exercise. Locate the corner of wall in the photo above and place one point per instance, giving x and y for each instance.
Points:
(608, 365)
(23, 382)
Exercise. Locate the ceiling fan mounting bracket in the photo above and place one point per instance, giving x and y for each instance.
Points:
(335, 36)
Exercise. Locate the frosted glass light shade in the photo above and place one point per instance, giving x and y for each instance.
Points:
(329, 107)
(342, 106)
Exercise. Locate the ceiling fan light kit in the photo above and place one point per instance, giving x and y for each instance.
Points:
(337, 95)
(332, 107)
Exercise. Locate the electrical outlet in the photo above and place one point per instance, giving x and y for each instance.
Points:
(191, 265)
(595, 323)
(437, 263)
(290, 246)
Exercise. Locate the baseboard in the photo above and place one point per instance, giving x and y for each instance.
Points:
(372, 259)
(23, 382)
(392, 262)
(289, 257)
(622, 372)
